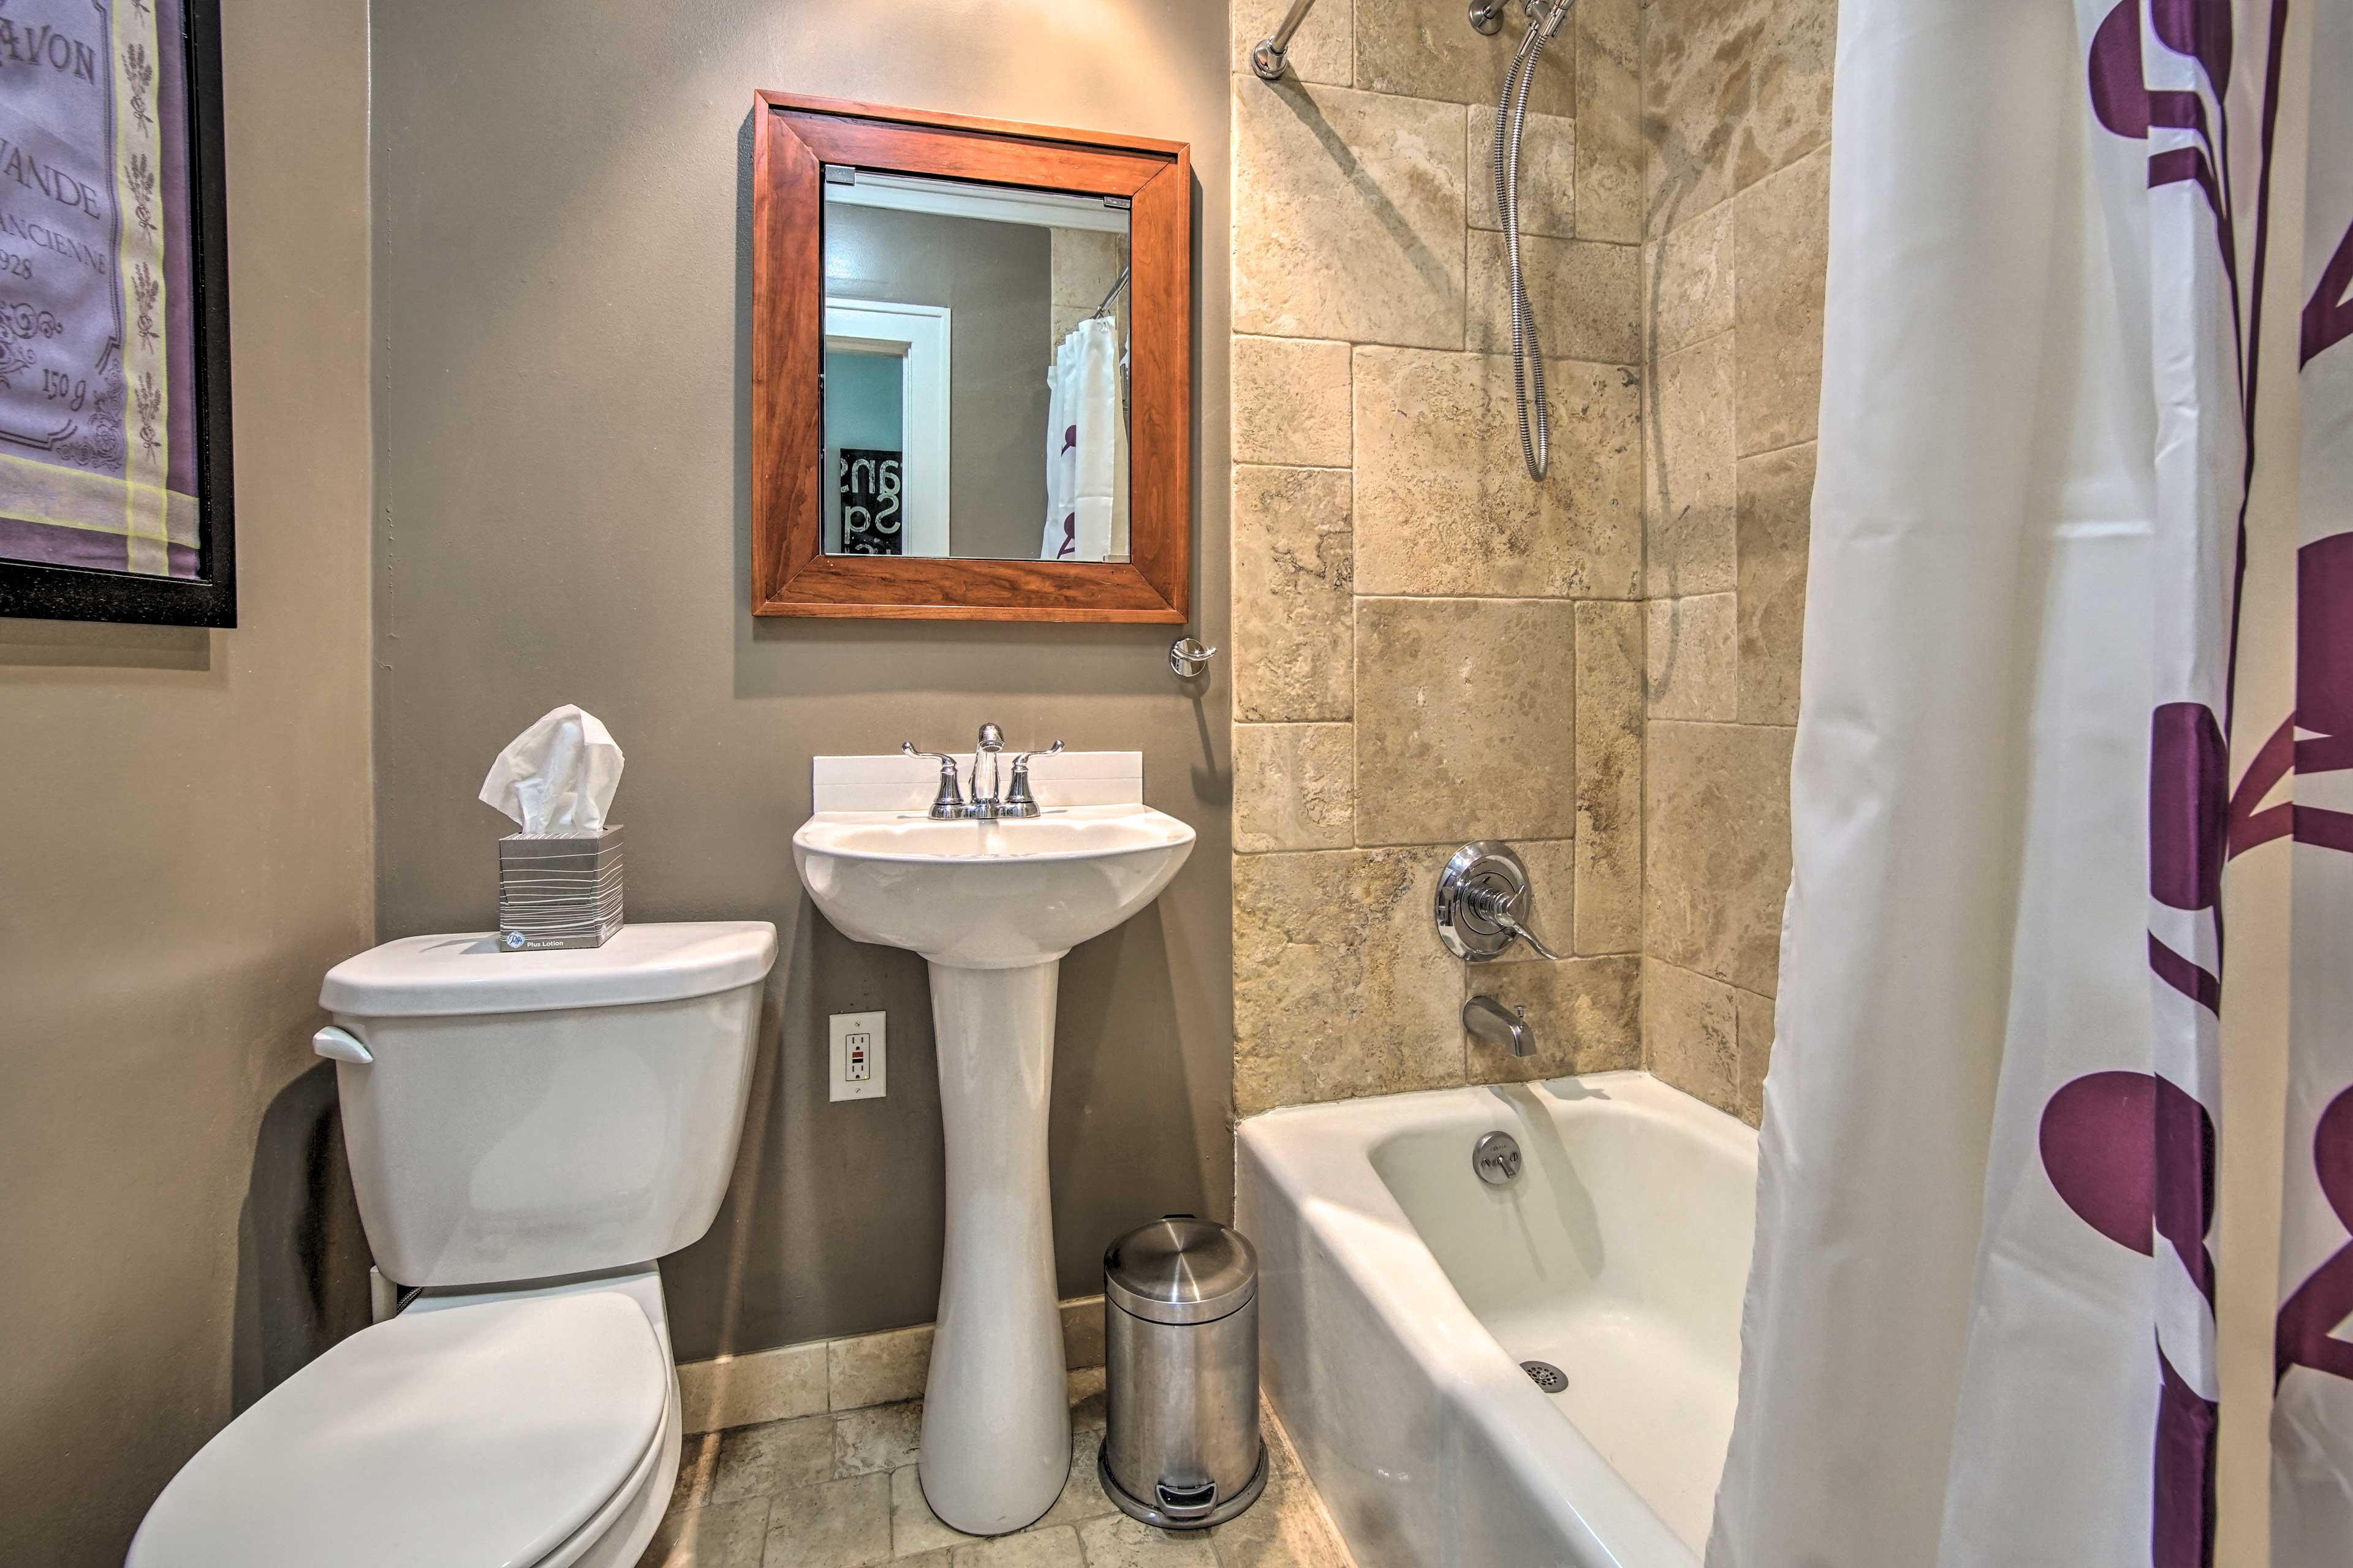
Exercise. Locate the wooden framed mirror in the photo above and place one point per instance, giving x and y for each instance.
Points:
(971, 368)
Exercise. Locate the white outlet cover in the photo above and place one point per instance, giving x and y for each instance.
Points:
(859, 1060)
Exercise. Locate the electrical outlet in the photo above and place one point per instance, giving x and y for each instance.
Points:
(859, 1062)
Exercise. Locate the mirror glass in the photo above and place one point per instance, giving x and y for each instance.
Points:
(975, 370)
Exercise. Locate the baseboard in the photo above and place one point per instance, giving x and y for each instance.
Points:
(850, 1374)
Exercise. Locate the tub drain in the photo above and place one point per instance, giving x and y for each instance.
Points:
(1545, 1375)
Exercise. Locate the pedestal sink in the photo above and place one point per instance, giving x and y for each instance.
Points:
(993, 906)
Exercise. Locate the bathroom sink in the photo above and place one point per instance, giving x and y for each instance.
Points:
(987, 895)
(993, 904)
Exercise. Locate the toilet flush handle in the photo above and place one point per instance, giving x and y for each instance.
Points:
(340, 1045)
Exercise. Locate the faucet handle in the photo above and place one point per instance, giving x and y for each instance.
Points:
(1502, 908)
(1018, 801)
(950, 799)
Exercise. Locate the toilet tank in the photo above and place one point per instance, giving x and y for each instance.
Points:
(530, 1114)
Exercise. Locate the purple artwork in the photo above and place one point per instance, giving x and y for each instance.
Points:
(97, 364)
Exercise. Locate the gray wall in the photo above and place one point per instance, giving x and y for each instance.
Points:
(562, 283)
(994, 277)
(187, 850)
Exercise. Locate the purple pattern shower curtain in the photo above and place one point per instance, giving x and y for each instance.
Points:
(1982, 1327)
(2303, 792)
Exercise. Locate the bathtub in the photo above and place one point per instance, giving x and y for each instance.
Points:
(1400, 1294)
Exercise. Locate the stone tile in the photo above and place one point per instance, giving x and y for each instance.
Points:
(1776, 503)
(1082, 1332)
(741, 1390)
(1348, 215)
(914, 1528)
(1690, 277)
(1691, 673)
(1689, 490)
(1294, 573)
(697, 1463)
(1789, 89)
(1291, 401)
(1081, 265)
(1083, 1495)
(1444, 504)
(839, 1525)
(1755, 1053)
(725, 1535)
(1340, 986)
(1287, 1527)
(879, 1369)
(1324, 50)
(1691, 1033)
(1608, 724)
(1782, 235)
(1086, 1386)
(880, 1437)
(1698, 63)
(1611, 153)
(1292, 786)
(1586, 297)
(756, 1461)
(1425, 49)
(1716, 838)
(1549, 908)
(1466, 720)
(1547, 174)
(1119, 1542)
(1057, 1547)
(1587, 1014)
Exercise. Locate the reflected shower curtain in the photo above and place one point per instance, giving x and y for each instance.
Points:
(1086, 447)
(1982, 1325)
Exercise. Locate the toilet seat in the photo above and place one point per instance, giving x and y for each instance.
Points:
(486, 1435)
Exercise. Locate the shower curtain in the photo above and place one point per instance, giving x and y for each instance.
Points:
(1980, 1329)
(1086, 447)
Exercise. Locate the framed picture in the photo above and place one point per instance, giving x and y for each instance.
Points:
(114, 411)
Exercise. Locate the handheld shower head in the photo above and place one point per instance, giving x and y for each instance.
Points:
(1545, 20)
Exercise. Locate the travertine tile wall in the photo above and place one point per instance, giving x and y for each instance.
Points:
(1429, 647)
(1735, 118)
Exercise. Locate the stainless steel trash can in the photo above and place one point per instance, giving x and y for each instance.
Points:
(1181, 1445)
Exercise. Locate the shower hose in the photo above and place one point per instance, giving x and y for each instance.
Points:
(1511, 116)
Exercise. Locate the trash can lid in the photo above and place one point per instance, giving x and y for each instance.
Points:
(1181, 1270)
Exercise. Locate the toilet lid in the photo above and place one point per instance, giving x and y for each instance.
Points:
(474, 1436)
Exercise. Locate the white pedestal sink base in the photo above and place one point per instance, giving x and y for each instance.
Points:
(993, 905)
(997, 1420)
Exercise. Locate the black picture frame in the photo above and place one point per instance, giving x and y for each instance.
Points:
(76, 593)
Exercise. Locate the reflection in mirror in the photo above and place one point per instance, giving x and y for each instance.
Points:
(975, 370)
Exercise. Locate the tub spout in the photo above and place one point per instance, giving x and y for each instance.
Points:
(1487, 1018)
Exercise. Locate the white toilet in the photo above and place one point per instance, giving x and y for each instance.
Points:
(527, 1134)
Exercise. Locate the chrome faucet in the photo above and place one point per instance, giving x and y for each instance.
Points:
(991, 742)
(1001, 801)
(1487, 1018)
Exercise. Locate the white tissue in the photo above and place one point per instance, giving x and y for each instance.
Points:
(558, 776)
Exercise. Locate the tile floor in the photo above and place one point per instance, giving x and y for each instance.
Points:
(840, 1491)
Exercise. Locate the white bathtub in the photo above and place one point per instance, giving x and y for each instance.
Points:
(1400, 1294)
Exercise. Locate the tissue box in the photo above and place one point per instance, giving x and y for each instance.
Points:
(559, 889)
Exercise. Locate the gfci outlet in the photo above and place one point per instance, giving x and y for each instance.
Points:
(858, 1055)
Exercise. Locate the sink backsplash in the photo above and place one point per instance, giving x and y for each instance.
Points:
(896, 782)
